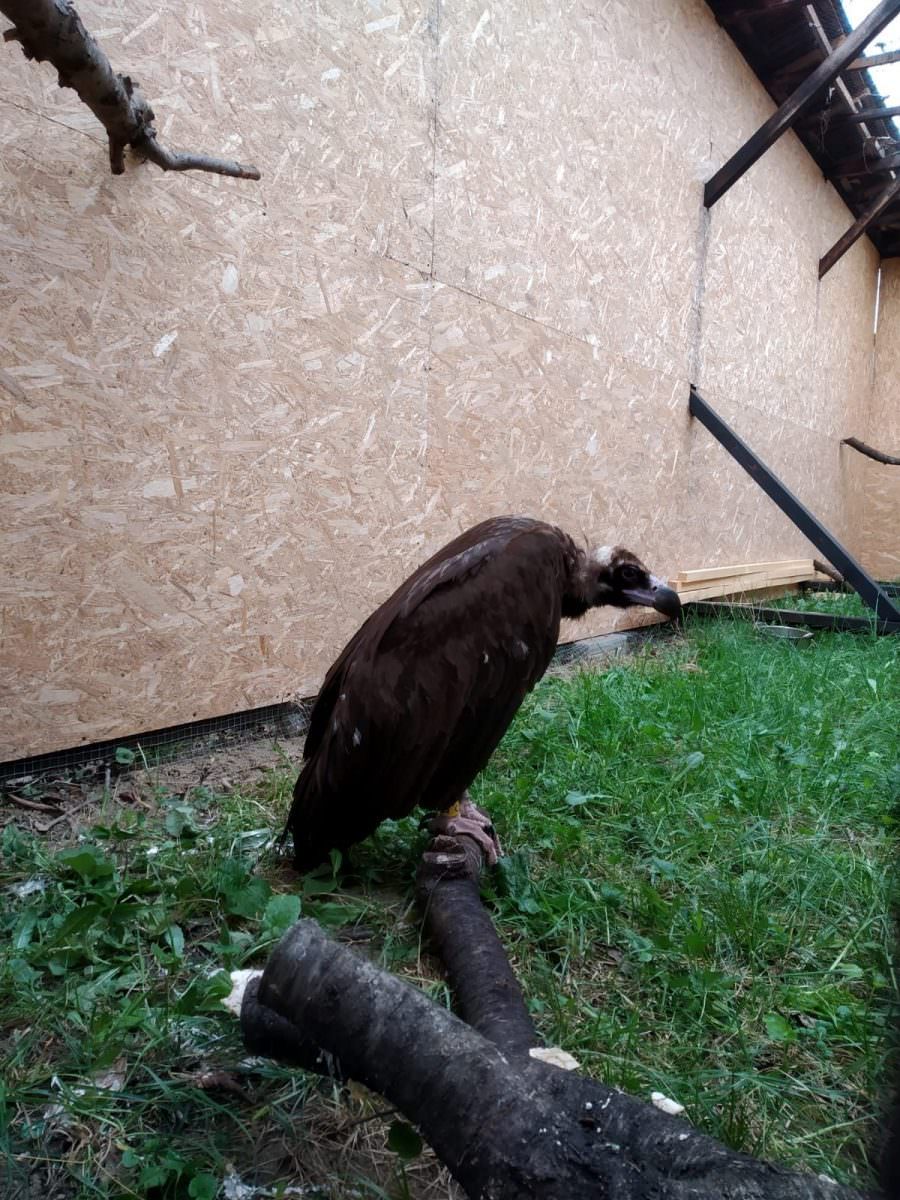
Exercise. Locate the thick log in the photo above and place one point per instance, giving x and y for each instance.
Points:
(507, 1129)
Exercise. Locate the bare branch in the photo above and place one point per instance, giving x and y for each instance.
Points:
(51, 31)
(879, 455)
(172, 160)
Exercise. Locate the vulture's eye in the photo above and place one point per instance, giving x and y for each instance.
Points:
(629, 574)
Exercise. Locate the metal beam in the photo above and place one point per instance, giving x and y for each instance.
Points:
(809, 525)
(798, 102)
(790, 616)
(858, 228)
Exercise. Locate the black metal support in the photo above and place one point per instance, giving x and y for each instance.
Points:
(855, 232)
(779, 616)
(809, 525)
(833, 621)
(799, 101)
(821, 585)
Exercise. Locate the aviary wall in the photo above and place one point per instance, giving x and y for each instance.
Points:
(880, 483)
(476, 278)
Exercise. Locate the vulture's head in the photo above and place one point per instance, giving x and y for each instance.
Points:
(615, 576)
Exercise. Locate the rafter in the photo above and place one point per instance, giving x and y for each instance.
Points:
(799, 101)
(858, 228)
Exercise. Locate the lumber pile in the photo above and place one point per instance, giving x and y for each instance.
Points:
(708, 583)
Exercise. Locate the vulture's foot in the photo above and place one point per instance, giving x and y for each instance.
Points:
(471, 821)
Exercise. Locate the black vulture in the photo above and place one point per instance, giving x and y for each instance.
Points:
(421, 695)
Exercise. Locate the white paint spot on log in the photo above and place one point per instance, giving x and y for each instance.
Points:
(555, 1056)
(666, 1104)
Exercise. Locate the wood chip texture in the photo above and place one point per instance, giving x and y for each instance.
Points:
(476, 278)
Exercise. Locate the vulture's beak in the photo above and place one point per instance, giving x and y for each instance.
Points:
(657, 596)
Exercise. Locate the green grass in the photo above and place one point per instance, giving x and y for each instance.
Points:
(845, 604)
(696, 900)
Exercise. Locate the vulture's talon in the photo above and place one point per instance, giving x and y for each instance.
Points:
(472, 822)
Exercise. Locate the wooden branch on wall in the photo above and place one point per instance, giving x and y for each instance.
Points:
(879, 456)
(51, 31)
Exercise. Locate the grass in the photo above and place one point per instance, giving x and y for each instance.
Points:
(696, 900)
(845, 604)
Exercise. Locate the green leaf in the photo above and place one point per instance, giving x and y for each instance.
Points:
(174, 938)
(82, 918)
(21, 972)
(778, 1029)
(124, 756)
(87, 861)
(249, 900)
(180, 822)
(576, 799)
(203, 1187)
(280, 914)
(404, 1141)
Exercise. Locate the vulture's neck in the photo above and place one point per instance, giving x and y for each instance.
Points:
(575, 596)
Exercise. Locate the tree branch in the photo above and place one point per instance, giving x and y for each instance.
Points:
(51, 31)
(878, 455)
(487, 992)
(507, 1129)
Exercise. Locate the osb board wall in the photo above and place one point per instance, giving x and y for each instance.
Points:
(474, 279)
(880, 484)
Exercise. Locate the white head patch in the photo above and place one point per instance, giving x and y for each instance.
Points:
(602, 556)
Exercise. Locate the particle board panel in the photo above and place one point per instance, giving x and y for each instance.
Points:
(333, 101)
(879, 484)
(183, 540)
(234, 416)
(636, 470)
(569, 174)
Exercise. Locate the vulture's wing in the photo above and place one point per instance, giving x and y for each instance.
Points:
(453, 563)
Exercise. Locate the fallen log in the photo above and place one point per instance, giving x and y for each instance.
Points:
(507, 1127)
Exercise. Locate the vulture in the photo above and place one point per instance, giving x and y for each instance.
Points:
(421, 695)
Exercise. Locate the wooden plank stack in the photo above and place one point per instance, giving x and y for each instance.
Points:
(708, 583)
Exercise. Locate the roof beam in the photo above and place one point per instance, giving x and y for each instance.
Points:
(874, 60)
(799, 101)
(858, 165)
(754, 14)
(858, 228)
(867, 114)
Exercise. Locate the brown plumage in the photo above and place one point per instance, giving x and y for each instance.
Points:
(420, 697)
